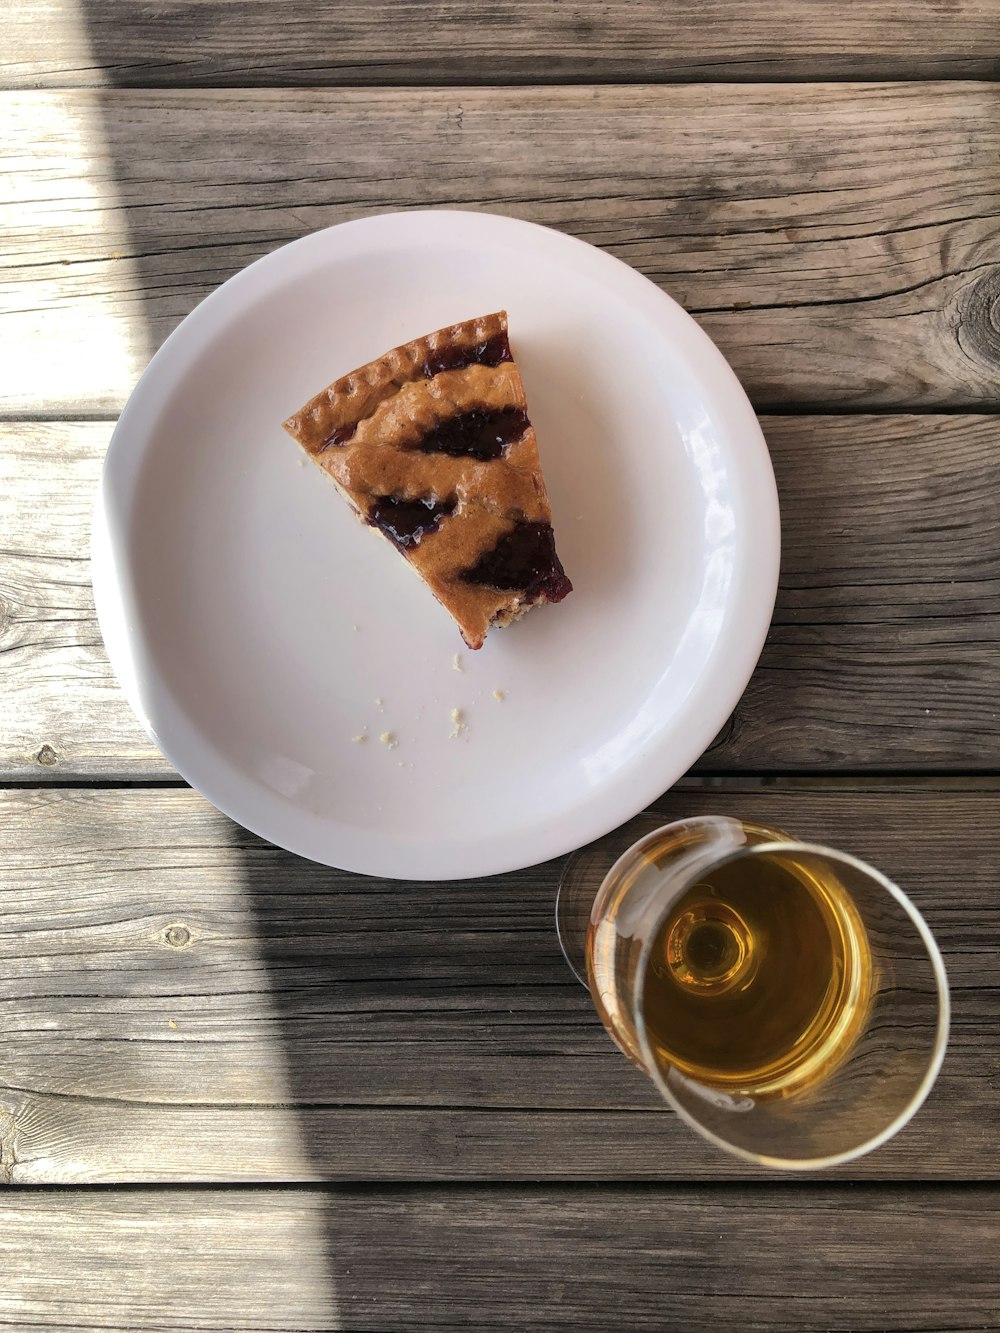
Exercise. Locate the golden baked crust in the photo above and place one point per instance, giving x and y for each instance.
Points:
(432, 445)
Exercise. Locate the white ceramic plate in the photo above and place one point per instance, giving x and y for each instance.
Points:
(254, 624)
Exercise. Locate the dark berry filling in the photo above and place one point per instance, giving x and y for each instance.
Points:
(488, 353)
(478, 434)
(524, 561)
(406, 521)
(340, 436)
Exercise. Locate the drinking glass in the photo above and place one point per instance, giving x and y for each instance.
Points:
(788, 1001)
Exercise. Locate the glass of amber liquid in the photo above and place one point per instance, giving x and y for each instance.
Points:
(788, 1000)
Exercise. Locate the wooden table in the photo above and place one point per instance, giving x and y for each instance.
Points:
(259, 1094)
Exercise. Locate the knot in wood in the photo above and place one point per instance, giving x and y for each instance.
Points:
(979, 319)
(178, 937)
(47, 756)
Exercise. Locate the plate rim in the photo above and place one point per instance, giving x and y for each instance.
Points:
(440, 860)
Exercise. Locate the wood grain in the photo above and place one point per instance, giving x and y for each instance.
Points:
(877, 1259)
(182, 1001)
(884, 651)
(69, 43)
(840, 242)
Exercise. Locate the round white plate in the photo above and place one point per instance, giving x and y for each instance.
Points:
(257, 628)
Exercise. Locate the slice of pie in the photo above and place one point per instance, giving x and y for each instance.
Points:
(432, 446)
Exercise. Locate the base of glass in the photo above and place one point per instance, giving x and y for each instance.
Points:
(574, 899)
(583, 876)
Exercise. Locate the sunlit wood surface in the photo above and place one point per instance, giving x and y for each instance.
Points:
(251, 1093)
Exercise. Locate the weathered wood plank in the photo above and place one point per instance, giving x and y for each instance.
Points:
(840, 242)
(61, 710)
(73, 43)
(181, 1001)
(878, 1259)
(60, 707)
(884, 651)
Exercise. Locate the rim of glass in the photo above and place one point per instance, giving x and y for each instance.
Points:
(940, 978)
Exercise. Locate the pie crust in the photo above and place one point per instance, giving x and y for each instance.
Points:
(431, 444)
